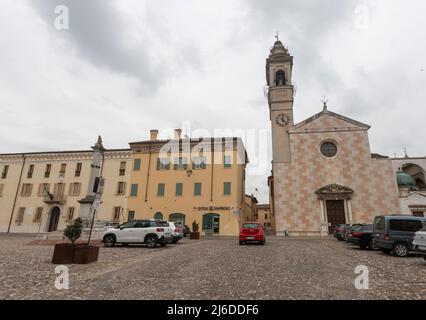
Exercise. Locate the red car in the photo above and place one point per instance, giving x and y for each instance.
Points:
(252, 232)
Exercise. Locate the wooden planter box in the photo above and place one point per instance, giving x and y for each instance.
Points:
(67, 253)
(194, 235)
(63, 253)
(84, 254)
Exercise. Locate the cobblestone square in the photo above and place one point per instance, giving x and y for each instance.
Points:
(213, 268)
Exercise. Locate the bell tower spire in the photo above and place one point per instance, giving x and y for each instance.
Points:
(279, 67)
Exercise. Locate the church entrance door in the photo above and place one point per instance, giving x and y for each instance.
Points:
(335, 214)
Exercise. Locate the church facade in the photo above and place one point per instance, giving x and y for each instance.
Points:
(323, 170)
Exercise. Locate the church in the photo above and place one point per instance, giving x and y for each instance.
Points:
(323, 171)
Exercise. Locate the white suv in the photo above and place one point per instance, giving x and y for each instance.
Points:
(149, 232)
(419, 242)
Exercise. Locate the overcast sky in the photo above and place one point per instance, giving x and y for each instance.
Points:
(128, 66)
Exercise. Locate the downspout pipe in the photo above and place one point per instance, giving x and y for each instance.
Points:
(17, 192)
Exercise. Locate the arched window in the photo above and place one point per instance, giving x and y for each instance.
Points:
(280, 78)
(174, 217)
(158, 216)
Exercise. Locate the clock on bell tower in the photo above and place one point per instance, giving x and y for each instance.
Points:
(279, 66)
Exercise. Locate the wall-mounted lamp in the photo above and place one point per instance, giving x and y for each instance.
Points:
(189, 172)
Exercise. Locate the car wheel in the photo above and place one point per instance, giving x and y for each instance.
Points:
(241, 243)
(109, 241)
(363, 247)
(163, 244)
(400, 249)
(151, 242)
(372, 245)
(262, 242)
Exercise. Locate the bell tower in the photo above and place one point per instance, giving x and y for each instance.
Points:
(279, 66)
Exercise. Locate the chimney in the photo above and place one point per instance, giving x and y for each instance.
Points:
(178, 133)
(154, 135)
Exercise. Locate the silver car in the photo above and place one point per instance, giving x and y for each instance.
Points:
(177, 232)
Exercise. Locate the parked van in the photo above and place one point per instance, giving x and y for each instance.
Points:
(395, 233)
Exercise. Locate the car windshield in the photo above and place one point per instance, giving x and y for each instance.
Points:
(251, 225)
(128, 224)
(162, 223)
(368, 227)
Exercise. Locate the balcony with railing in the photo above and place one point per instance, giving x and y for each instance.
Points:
(55, 198)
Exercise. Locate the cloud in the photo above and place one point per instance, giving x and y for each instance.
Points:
(126, 66)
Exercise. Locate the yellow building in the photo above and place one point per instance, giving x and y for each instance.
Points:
(250, 208)
(264, 215)
(200, 180)
(42, 191)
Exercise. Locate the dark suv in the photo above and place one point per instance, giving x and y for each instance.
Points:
(395, 233)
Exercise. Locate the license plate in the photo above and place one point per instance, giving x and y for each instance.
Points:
(250, 238)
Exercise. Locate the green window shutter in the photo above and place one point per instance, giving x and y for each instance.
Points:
(227, 188)
(227, 163)
(158, 163)
(197, 189)
(131, 216)
(134, 190)
(179, 189)
(137, 165)
(160, 189)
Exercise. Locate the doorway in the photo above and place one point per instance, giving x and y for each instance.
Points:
(335, 214)
(54, 219)
(211, 223)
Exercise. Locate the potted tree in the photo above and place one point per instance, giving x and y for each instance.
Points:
(64, 252)
(195, 234)
(67, 253)
(83, 253)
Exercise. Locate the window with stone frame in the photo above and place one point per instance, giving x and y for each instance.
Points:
(63, 170)
(70, 214)
(78, 167)
(59, 189)
(43, 189)
(47, 170)
(122, 171)
(74, 189)
(20, 215)
(26, 190)
(4, 172)
(38, 215)
(30, 171)
(121, 188)
(116, 214)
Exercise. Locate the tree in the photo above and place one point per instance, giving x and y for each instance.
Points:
(73, 231)
(194, 226)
